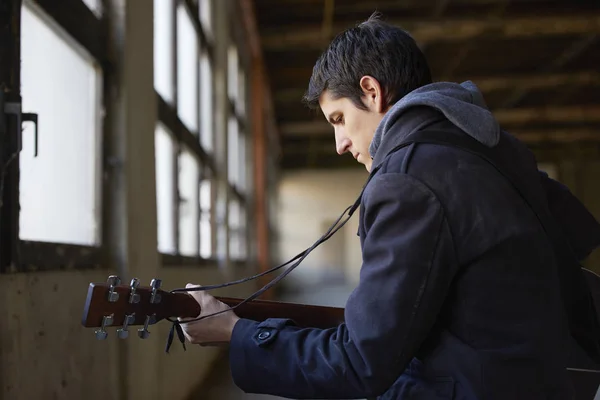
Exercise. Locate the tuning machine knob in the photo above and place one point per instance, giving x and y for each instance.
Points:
(113, 281)
(123, 333)
(101, 333)
(144, 332)
(133, 296)
(155, 296)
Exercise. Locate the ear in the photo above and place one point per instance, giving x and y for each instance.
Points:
(372, 93)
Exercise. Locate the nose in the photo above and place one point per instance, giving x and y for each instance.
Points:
(342, 143)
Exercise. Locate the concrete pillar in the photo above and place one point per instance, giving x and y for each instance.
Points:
(131, 189)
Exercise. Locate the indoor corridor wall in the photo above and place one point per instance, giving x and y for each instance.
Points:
(309, 198)
(45, 353)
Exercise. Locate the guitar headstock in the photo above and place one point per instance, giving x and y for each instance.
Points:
(122, 306)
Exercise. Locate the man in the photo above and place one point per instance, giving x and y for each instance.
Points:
(458, 295)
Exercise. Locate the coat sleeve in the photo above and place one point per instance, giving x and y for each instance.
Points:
(408, 264)
(576, 222)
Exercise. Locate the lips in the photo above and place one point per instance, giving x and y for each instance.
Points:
(356, 156)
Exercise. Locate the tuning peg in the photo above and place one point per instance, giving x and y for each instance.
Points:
(113, 281)
(123, 333)
(134, 297)
(155, 285)
(101, 333)
(144, 332)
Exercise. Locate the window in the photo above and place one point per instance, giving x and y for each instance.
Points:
(165, 189)
(187, 69)
(237, 231)
(206, 102)
(51, 190)
(236, 152)
(185, 134)
(95, 6)
(205, 15)
(61, 83)
(163, 49)
(237, 160)
(205, 219)
(189, 178)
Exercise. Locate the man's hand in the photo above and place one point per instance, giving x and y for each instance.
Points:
(211, 331)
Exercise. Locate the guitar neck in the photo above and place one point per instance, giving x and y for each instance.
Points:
(259, 310)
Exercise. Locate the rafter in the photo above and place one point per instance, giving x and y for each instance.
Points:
(520, 116)
(571, 52)
(449, 30)
(299, 148)
(487, 84)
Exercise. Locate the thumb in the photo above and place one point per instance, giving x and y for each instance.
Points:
(196, 294)
(191, 285)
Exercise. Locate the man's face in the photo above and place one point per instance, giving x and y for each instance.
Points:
(354, 128)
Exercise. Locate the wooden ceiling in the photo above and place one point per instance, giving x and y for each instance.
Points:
(537, 62)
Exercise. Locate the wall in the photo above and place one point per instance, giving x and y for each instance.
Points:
(307, 201)
(582, 176)
(45, 353)
(309, 198)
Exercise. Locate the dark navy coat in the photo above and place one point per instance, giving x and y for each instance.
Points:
(458, 296)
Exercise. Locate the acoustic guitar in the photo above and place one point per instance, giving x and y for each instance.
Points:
(121, 306)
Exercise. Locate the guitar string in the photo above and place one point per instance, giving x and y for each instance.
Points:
(176, 322)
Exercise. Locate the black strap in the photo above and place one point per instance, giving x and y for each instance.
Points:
(577, 298)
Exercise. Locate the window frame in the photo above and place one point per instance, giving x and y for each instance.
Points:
(240, 116)
(168, 116)
(88, 30)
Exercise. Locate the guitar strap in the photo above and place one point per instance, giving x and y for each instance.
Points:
(581, 313)
(582, 316)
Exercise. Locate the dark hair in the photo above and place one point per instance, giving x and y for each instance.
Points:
(375, 48)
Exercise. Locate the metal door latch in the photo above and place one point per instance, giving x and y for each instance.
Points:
(14, 108)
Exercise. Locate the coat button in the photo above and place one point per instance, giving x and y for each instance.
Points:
(264, 335)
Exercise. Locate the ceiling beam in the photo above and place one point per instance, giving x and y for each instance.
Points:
(488, 84)
(574, 50)
(529, 136)
(446, 30)
(517, 116)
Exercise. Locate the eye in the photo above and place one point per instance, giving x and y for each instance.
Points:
(339, 120)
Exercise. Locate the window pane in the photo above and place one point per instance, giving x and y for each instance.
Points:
(163, 49)
(242, 166)
(241, 100)
(204, 9)
(187, 70)
(189, 174)
(232, 150)
(165, 189)
(206, 102)
(232, 72)
(95, 6)
(59, 190)
(234, 234)
(234, 214)
(242, 234)
(205, 228)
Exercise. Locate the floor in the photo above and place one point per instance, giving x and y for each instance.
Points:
(222, 386)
